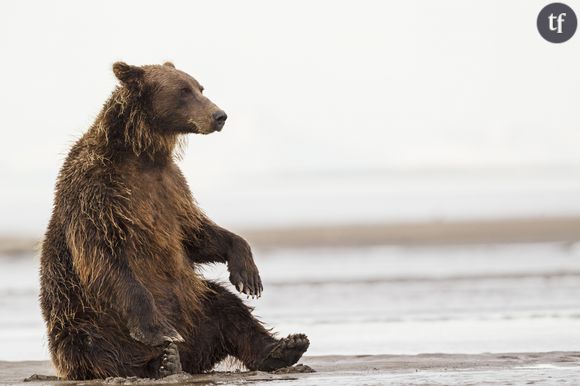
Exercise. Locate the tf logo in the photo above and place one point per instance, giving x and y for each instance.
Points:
(557, 22)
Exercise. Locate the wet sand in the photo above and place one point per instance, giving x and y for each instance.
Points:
(452, 369)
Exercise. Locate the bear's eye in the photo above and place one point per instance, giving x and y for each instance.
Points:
(185, 91)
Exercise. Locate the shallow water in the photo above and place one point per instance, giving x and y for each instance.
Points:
(379, 300)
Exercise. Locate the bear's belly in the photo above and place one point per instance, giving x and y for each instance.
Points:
(176, 288)
(159, 261)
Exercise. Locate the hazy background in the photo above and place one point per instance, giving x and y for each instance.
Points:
(340, 114)
(338, 111)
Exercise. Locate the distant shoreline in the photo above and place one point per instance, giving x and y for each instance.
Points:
(523, 230)
(494, 231)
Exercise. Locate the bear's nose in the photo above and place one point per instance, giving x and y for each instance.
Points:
(220, 119)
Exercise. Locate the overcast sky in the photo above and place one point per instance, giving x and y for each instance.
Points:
(309, 87)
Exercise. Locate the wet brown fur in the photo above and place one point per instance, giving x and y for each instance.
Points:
(118, 264)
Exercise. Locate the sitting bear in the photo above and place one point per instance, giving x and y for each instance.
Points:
(120, 290)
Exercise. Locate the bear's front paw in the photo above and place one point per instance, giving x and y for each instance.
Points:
(155, 335)
(244, 274)
(246, 278)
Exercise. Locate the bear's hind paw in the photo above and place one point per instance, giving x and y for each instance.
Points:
(170, 361)
(285, 353)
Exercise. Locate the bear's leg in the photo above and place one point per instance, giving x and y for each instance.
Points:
(82, 352)
(230, 329)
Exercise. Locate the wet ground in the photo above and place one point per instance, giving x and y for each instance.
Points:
(556, 368)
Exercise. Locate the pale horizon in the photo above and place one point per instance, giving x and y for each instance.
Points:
(322, 88)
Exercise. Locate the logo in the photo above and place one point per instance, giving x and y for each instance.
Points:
(557, 23)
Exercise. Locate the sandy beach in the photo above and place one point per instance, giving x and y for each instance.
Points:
(553, 368)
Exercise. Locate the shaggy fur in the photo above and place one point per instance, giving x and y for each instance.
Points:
(119, 289)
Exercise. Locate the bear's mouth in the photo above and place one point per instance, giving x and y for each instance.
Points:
(196, 129)
(194, 126)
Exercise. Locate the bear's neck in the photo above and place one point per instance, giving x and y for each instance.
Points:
(123, 130)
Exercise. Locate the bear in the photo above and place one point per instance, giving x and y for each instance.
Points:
(121, 293)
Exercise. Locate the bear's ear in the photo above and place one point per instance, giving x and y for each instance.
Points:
(129, 75)
(169, 64)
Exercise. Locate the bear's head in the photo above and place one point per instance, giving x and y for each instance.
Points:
(174, 101)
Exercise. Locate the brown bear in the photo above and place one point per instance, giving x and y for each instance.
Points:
(120, 290)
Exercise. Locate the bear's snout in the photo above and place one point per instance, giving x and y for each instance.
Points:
(219, 119)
